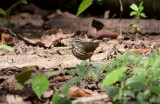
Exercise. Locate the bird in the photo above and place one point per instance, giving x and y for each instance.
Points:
(83, 50)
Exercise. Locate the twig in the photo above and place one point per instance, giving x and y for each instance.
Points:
(10, 31)
(120, 23)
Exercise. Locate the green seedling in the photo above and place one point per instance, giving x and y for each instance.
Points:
(92, 75)
(39, 83)
(138, 12)
(6, 13)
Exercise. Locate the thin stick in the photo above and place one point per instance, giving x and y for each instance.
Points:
(120, 23)
(10, 31)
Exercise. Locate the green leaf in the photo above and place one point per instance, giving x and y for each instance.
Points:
(83, 6)
(143, 15)
(137, 86)
(3, 12)
(141, 98)
(5, 47)
(113, 76)
(156, 99)
(39, 85)
(99, 2)
(65, 87)
(83, 63)
(64, 100)
(137, 78)
(133, 102)
(140, 5)
(129, 93)
(141, 9)
(55, 98)
(48, 74)
(134, 7)
(8, 11)
(72, 71)
(21, 78)
(5, 21)
(133, 13)
(81, 70)
(23, 1)
(74, 80)
(99, 66)
(134, 25)
(155, 89)
(24, 75)
(79, 103)
(113, 92)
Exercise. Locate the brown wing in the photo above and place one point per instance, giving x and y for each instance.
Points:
(90, 46)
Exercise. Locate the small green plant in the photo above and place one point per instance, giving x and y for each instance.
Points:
(141, 86)
(91, 75)
(56, 99)
(138, 12)
(39, 83)
(6, 13)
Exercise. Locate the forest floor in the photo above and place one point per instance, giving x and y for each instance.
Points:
(37, 44)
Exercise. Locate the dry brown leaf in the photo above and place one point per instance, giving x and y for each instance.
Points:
(48, 94)
(52, 37)
(7, 39)
(80, 93)
(14, 99)
(26, 40)
(106, 33)
(95, 31)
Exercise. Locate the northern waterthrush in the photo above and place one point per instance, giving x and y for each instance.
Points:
(83, 50)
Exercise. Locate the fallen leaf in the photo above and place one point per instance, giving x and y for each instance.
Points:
(106, 33)
(52, 37)
(7, 39)
(80, 93)
(14, 99)
(48, 94)
(26, 40)
(95, 31)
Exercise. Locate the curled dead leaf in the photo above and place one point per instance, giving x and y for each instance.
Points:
(95, 31)
(52, 37)
(80, 93)
(106, 33)
(7, 39)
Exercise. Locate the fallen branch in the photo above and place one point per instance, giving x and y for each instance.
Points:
(82, 24)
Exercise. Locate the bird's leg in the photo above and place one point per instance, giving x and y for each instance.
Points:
(89, 63)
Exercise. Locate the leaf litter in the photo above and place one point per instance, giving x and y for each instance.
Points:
(52, 52)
